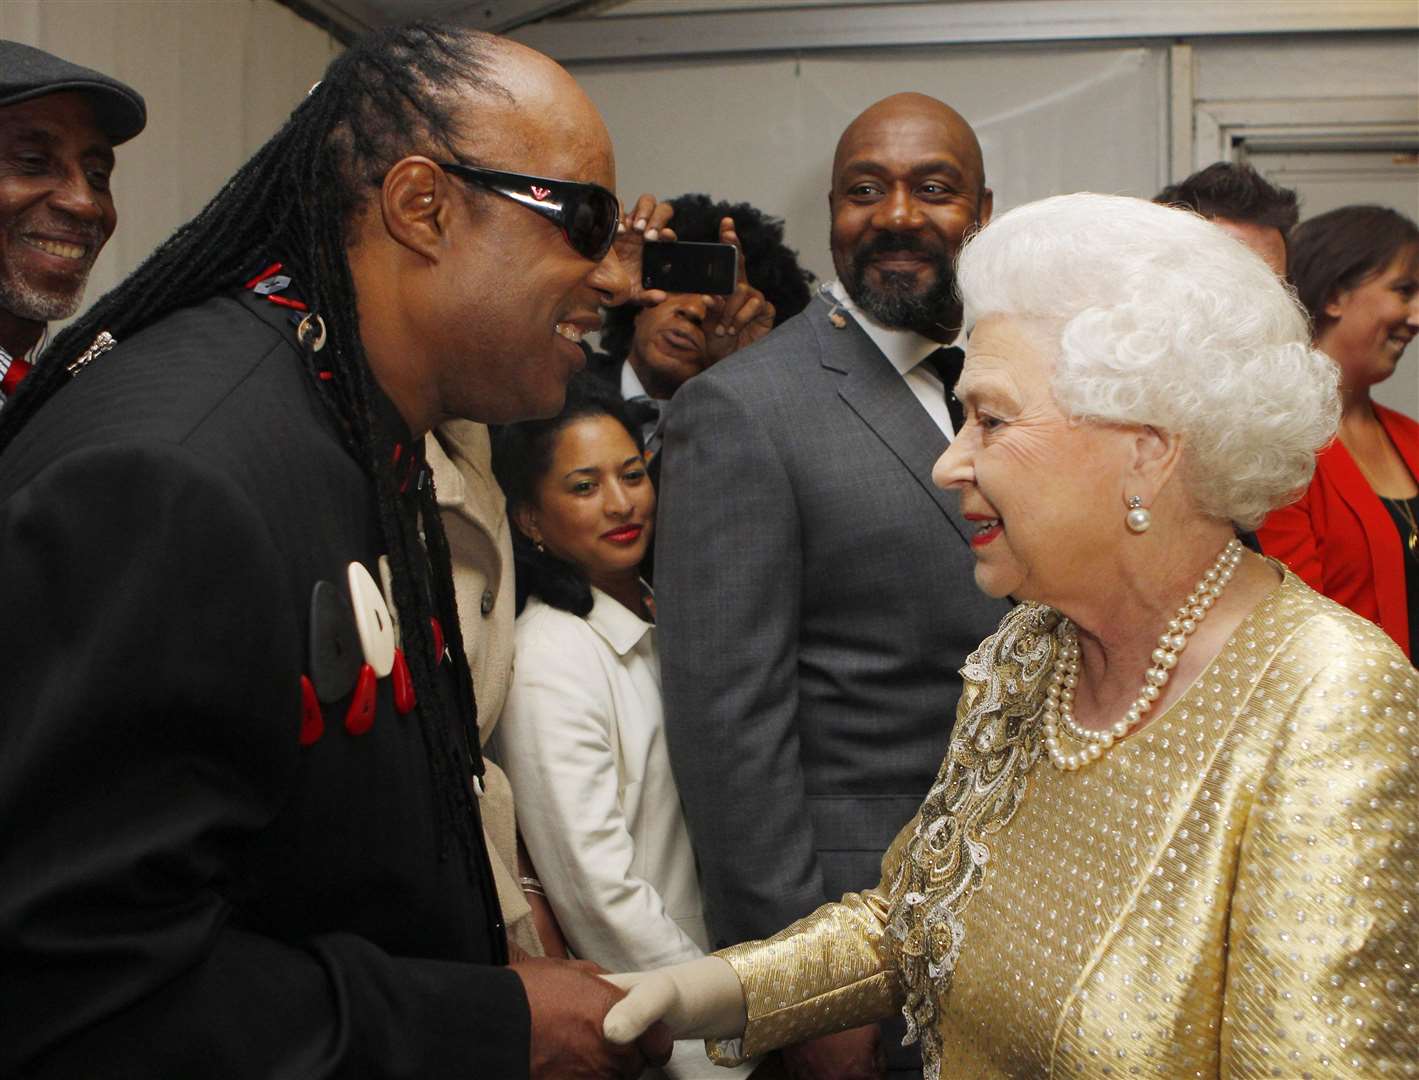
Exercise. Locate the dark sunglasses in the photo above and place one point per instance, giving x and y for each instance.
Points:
(587, 213)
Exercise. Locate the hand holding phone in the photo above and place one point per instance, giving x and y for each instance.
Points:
(648, 219)
(744, 316)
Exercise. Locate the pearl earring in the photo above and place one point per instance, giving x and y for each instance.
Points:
(1138, 518)
(542, 550)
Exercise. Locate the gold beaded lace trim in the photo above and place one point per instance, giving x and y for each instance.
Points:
(996, 742)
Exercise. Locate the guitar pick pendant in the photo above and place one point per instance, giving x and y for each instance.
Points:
(372, 622)
(312, 719)
(438, 639)
(403, 681)
(360, 717)
(335, 654)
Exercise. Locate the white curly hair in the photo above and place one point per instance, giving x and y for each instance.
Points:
(1164, 320)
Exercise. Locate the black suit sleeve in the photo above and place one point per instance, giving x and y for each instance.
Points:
(149, 713)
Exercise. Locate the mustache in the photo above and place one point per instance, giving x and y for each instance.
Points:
(886, 243)
(890, 243)
(87, 232)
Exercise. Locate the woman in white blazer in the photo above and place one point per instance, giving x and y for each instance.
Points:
(581, 733)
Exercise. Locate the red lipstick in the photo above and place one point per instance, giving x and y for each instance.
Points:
(983, 536)
(623, 534)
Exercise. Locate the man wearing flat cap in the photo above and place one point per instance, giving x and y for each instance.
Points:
(59, 123)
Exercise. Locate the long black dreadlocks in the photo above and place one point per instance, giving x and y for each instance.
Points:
(392, 94)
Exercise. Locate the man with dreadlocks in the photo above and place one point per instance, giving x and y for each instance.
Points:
(238, 779)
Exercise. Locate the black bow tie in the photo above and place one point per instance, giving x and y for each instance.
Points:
(643, 409)
(947, 362)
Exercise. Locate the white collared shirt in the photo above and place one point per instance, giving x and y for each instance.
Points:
(905, 350)
(630, 382)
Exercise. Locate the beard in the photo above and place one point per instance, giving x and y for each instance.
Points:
(899, 302)
(24, 301)
(21, 292)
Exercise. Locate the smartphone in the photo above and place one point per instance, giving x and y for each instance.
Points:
(682, 266)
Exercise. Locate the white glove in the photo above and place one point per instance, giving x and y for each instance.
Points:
(701, 999)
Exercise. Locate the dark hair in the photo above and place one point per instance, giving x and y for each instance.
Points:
(1339, 249)
(769, 264)
(522, 454)
(394, 93)
(1226, 189)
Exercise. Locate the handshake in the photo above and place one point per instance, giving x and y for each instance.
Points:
(587, 1025)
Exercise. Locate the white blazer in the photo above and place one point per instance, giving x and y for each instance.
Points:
(581, 738)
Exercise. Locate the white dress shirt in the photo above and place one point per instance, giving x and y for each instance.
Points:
(631, 386)
(582, 740)
(905, 350)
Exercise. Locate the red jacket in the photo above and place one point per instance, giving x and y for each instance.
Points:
(1341, 541)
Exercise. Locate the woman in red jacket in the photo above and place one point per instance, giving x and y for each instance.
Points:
(1354, 534)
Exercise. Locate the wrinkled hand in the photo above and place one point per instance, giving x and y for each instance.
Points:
(569, 1003)
(854, 1054)
(700, 999)
(647, 220)
(742, 317)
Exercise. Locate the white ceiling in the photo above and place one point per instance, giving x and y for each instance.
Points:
(571, 30)
(349, 17)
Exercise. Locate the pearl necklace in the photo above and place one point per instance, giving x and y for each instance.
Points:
(1059, 696)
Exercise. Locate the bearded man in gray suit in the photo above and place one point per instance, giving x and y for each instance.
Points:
(814, 588)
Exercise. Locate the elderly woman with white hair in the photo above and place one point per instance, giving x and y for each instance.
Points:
(1177, 831)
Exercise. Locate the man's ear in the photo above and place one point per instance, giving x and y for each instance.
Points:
(986, 207)
(413, 202)
(1156, 456)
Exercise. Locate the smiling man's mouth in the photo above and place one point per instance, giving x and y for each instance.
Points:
(61, 248)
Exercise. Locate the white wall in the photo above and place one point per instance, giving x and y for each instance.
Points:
(1355, 67)
(219, 76)
(1349, 76)
(1051, 118)
(763, 129)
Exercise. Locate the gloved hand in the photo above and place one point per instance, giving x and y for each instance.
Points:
(701, 999)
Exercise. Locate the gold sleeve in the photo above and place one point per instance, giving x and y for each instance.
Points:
(1324, 928)
(828, 971)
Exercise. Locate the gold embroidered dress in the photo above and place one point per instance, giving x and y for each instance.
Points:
(1231, 892)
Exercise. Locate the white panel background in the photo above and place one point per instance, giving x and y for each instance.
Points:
(763, 129)
(1051, 118)
(1351, 69)
(1358, 66)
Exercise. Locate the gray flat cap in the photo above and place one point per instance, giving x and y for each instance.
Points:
(27, 72)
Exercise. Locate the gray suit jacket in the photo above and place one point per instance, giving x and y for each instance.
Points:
(816, 601)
